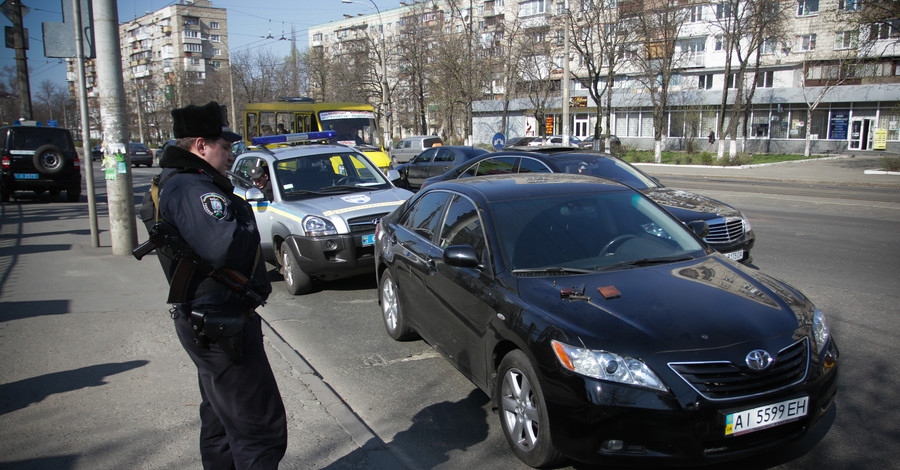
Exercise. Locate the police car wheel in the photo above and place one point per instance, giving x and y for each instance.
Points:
(296, 281)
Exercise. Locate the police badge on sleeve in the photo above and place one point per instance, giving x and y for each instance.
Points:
(214, 205)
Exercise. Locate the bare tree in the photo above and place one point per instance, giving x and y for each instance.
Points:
(598, 35)
(658, 23)
(415, 44)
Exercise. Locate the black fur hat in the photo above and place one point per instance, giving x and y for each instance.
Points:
(208, 121)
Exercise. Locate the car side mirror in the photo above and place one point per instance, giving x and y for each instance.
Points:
(699, 227)
(254, 194)
(461, 256)
(393, 175)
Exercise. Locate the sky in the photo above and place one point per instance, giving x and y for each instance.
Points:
(249, 24)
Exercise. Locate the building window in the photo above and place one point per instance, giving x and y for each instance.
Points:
(216, 51)
(807, 7)
(730, 81)
(884, 30)
(214, 38)
(191, 20)
(848, 5)
(768, 46)
(720, 42)
(724, 10)
(705, 81)
(193, 48)
(213, 25)
(532, 7)
(844, 40)
(765, 79)
(190, 33)
(696, 13)
(807, 42)
(215, 64)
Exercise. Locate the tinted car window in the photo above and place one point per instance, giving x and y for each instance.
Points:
(28, 138)
(530, 165)
(444, 155)
(607, 168)
(430, 142)
(423, 218)
(462, 226)
(492, 166)
(425, 156)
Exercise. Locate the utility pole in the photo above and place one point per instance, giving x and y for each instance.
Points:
(119, 186)
(13, 10)
(565, 79)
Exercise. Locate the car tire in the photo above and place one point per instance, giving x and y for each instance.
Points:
(391, 312)
(523, 412)
(296, 281)
(49, 160)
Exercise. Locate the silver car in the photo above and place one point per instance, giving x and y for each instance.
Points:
(316, 207)
(409, 147)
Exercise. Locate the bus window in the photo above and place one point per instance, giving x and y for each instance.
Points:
(267, 123)
(304, 123)
(283, 123)
(251, 121)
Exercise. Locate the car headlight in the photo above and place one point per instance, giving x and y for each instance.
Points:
(746, 223)
(318, 227)
(821, 332)
(605, 365)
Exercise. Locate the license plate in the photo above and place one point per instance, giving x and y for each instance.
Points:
(735, 255)
(26, 176)
(766, 416)
(368, 240)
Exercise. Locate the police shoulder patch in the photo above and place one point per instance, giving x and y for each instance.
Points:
(214, 204)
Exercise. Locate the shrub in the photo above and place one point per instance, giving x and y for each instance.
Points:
(891, 163)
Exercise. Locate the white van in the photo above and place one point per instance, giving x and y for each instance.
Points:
(409, 147)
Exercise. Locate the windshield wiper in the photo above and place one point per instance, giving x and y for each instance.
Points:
(341, 187)
(553, 270)
(648, 262)
(302, 191)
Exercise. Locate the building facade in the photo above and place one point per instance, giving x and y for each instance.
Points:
(816, 69)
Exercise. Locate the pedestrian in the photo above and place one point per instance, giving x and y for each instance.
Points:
(712, 137)
(242, 418)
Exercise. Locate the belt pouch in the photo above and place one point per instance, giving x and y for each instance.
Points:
(226, 330)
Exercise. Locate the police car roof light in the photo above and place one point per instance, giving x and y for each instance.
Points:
(301, 138)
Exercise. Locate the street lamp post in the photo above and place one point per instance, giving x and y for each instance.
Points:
(384, 83)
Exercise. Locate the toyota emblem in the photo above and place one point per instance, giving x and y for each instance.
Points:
(759, 359)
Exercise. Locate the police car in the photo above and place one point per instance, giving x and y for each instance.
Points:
(316, 205)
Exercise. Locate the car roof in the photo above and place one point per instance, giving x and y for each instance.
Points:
(515, 186)
(285, 153)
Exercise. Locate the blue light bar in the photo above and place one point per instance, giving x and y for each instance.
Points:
(294, 138)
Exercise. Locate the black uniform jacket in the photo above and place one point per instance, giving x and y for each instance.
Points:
(218, 225)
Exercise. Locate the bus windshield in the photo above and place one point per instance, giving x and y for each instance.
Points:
(354, 127)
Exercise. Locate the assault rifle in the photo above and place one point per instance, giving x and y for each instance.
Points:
(164, 235)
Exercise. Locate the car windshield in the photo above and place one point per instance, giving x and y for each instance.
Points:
(353, 127)
(585, 232)
(605, 167)
(328, 173)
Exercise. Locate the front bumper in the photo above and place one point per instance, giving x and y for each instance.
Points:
(334, 256)
(595, 421)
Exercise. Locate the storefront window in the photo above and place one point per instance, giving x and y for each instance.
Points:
(676, 124)
(759, 124)
(779, 126)
(798, 124)
(890, 120)
(647, 124)
(818, 124)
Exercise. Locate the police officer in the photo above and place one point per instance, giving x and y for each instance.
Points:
(243, 423)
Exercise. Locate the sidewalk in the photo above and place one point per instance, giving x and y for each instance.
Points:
(92, 375)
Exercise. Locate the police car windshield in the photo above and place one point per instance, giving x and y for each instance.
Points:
(329, 173)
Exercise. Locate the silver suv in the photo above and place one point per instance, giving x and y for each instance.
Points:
(409, 147)
(34, 158)
(316, 207)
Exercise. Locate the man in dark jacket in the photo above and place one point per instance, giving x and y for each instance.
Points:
(243, 423)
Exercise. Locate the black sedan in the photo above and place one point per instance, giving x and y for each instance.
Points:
(600, 326)
(139, 154)
(433, 162)
(729, 230)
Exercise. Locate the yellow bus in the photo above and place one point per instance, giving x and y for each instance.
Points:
(354, 123)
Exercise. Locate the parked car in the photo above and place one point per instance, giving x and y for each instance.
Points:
(553, 140)
(615, 145)
(162, 148)
(600, 326)
(519, 141)
(433, 162)
(409, 147)
(139, 154)
(319, 220)
(730, 231)
(97, 152)
(38, 159)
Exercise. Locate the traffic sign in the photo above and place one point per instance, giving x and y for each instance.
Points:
(498, 141)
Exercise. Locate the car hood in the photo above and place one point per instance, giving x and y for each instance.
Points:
(349, 205)
(703, 303)
(689, 206)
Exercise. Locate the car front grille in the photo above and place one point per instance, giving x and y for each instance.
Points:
(364, 223)
(724, 230)
(727, 381)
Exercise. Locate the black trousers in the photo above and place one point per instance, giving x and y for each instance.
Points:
(243, 423)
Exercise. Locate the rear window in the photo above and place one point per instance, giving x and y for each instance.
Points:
(30, 138)
(432, 142)
(138, 146)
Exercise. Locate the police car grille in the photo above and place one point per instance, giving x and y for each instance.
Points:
(726, 381)
(364, 223)
(724, 230)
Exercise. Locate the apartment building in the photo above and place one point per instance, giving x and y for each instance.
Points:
(823, 59)
(166, 54)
